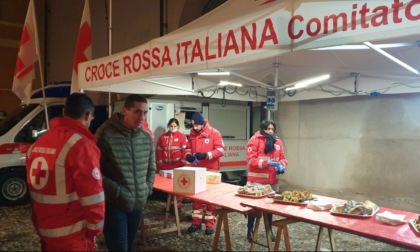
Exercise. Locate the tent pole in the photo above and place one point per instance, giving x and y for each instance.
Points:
(110, 53)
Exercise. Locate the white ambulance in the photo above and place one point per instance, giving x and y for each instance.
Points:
(22, 128)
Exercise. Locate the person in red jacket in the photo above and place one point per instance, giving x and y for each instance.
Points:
(265, 158)
(65, 181)
(207, 147)
(170, 150)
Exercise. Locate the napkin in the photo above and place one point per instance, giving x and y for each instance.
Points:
(390, 218)
(319, 205)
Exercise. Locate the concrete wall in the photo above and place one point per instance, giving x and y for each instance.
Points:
(356, 145)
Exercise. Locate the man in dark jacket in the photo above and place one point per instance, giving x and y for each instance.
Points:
(128, 166)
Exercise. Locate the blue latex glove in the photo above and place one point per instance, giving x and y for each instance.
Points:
(272, 163)
(280, 169)
(195, 162)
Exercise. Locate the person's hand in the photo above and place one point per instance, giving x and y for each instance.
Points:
(280, 169)
(272, 163)
(200, 155)
(190, 158)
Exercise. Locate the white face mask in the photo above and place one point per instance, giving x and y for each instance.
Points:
(173, 130)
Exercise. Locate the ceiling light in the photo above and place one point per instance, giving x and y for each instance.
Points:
(389, 56)
(226, 83)
(308, 82)
(213, 73)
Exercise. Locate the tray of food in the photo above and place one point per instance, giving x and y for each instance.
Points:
(299, 198)
(352, 208)
(258, 191)
(415, 223)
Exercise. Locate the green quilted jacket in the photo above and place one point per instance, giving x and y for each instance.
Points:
(127, 163)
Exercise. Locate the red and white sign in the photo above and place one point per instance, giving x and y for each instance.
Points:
(242, 31)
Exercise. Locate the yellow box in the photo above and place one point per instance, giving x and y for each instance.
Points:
(213, 177)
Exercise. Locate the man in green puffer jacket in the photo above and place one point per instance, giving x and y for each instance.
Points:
(128, 167)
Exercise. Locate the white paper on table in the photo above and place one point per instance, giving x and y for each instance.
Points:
(391, 218)
(319, 205)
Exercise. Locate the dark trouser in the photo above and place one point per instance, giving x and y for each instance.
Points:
(251, 220)
(120, 228)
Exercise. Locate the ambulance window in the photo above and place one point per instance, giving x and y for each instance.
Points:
(37, 125)
(12, 119)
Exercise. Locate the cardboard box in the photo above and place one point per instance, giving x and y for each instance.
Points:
(190, 180)
(213, 177)
(166, 173)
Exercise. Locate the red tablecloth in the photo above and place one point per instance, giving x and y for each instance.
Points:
(221, 195)
(401, 235)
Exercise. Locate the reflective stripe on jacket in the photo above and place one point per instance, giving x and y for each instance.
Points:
(170, 151)
(208, 140)
(65, 182)
(258, 169)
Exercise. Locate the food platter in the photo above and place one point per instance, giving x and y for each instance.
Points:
(413, 224)
(355, 215)
(252, 196)
(303, 203)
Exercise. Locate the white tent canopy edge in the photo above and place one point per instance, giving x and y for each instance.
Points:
(249, 35)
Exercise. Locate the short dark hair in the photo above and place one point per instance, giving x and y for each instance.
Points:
(77, 105)
(131, 99)
(265, 123)
(173, 120)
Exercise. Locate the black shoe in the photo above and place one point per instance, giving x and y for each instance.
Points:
(250, 235)
(273, 238)
(194, 228)
(186, 201)
(209, 231)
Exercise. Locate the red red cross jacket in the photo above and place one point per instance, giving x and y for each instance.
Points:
(208, 140)
(258, 169)
(170, 151)
(65, 184)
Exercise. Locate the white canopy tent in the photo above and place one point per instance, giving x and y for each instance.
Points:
(266, 45)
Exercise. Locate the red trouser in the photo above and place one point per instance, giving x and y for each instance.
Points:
(178, 202)
(200, 209)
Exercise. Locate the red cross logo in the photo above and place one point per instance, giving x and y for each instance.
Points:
(39, 173)
(184, 181)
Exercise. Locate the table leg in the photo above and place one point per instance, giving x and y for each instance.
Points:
(318, 240)
(222, 219)
(282, 227)
(330, 236)
(227, 234)
(218, 229)
(267, 232)
(254, 237)
(177, 222)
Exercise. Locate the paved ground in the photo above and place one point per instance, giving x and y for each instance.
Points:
(17, 232)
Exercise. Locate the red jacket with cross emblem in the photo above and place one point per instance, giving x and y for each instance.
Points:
(170, 151)
(208, 140)
(65, 183)
(258, 169)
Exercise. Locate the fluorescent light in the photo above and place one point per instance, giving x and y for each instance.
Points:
(306, 83)
(213, 73)
(226, 83)
(358, 47)
(389, 56)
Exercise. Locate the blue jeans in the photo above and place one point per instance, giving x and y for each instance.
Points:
(120, 228)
